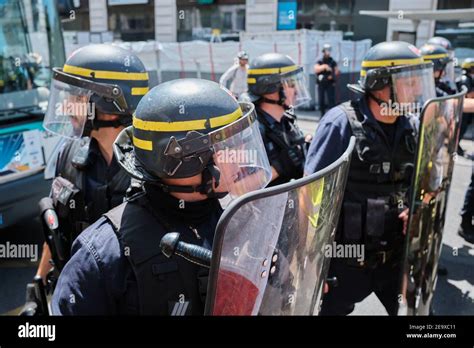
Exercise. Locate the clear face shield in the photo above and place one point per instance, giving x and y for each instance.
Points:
(240, 155)
(68, 110)
(295, 88)
(449, 71)
(412, 87)
(70, 104)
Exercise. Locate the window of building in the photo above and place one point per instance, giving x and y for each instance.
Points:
(132, 22)
(325, 14)
(198, 19)
(74, 18)
(460, 36)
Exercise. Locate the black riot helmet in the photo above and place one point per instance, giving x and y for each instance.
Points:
(467, 66)
(436, 54)
(439, 40)
(467, 76)
(98, 77)
(186, 127)
(400, 66)
(449, 73)
(275, 72)
(439, 56)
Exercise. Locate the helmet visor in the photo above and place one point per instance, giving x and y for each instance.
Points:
(295, 88)
(68, 110)
(70, 91)
(449, 73)
(240, 155)
(412, 87)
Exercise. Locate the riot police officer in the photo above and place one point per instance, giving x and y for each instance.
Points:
(440, 58)
(442, 65)
(92, 99)
(448, 77)
(394, 84)
(326, 71)
(276, 86)
(190, 143)
(467, 77)
(466, 80)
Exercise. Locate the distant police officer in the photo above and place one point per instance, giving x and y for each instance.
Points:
(442, 65)
(326, 73)
(467, 76)
(449, 74)
(466, 80)
(440, 58)
(276, 86)
(92, 99)
(394, 83)
(190, 143)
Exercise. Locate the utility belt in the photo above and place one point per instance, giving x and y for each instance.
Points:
(323, 79)
(375, 259)
(375, 224)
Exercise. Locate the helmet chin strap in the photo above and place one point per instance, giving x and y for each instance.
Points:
(210, 175)
(441, 72)
(97, 124)
(280, 101)
(381, 102)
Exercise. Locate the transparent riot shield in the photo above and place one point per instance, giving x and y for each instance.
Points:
(437, 143)
(268, 254)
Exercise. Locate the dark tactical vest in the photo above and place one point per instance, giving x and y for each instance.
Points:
(165, 286)
(377, 185)
(68, 191)
(286, 145)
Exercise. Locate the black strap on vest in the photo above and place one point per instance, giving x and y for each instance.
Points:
(352, 111)
(275, 134)
(165, 286)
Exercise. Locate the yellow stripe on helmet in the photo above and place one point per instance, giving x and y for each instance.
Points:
(183, 126)
(143, 144)
(435, 56)
(391, 62)
(467, 65)
(269, 71)
(106, 75)
(139, 90)
(251, 80)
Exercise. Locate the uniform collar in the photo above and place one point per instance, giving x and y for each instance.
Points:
(267, 116)
(178, 211)
(95, 154)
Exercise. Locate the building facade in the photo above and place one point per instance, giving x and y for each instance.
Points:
(184, 20)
